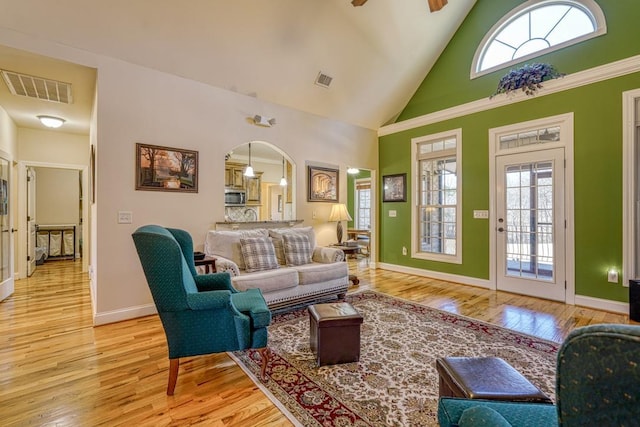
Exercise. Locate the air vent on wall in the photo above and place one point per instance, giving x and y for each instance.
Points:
(38, 87)
(323, 80)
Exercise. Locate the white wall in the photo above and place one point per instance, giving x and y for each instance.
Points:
(52, 147)
(136, 104)
(58, 199)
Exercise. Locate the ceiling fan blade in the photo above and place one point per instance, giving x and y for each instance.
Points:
(358, 2)
(436, 5)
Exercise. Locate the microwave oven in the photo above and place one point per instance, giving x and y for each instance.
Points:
(234, 197)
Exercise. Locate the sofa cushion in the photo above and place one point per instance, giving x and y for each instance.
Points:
(297, 249)
(277, 233)
(258, 253)
(226, 243)
(318, 272)
(267, 280)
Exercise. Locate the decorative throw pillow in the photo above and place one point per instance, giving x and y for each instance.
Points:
(278, 245)
(258, 253)
(297, 249)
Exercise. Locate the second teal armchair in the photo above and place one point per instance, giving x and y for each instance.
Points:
(597, 384)
(201, 314)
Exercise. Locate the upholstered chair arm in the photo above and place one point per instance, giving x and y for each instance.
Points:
(252, 304)
(226, 265)
(209, 300)
(327, 255)
(214, 282)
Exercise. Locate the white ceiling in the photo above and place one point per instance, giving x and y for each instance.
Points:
(377, 54)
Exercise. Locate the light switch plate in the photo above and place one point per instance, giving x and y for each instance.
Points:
(481, 214)
(393, 214)
(125, 217)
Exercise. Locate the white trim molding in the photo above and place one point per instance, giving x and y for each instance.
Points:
(465, 280)
(581, 78)
(602, 304)
(124, 314)
(629, 185)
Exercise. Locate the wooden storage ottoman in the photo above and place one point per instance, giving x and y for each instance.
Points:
(485, 378)
(335, 333)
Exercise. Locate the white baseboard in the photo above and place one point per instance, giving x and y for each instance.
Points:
(123, 314)
(5, 291)
(581, 300)
(465, 280)
(602, 304)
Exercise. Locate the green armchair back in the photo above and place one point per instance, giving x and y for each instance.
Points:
(597, 384)
(201, 314)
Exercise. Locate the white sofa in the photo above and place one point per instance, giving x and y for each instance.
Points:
(284, 281)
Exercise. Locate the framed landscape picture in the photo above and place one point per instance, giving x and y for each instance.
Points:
(322, 184)
(394, 188)
(166, 169)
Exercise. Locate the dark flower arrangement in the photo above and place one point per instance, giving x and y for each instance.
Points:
(528, 78)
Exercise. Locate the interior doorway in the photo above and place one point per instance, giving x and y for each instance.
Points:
(361, 202)
(60, 210)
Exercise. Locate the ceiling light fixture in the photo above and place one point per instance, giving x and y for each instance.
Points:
(51, 121)
(283, 180)
(248, 172)
(352, 170)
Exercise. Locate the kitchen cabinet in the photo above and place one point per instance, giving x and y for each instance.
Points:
(234, 175)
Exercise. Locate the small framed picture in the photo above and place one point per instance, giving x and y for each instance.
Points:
(394, 188)
(323, 184)
(166, 169)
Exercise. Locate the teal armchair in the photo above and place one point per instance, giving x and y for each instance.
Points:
(200, 314)
(597, 384)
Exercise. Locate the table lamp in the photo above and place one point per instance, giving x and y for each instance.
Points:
(339, 213)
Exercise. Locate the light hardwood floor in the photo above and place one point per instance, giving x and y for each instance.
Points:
(57, 369)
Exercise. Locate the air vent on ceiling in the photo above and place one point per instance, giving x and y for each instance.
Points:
(323, 79)
(38, 87)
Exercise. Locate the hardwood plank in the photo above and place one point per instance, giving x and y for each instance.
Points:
(57, 369)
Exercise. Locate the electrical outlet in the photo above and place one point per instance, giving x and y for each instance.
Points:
(404, 250)
(313, 215)
(612, 276)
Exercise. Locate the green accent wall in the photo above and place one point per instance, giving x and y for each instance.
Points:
(598, 124)
(448, 83)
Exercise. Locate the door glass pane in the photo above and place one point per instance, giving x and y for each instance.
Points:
(529, 221)
(4, 220)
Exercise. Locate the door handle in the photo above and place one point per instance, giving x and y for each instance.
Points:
(13, 230)
(500, 229)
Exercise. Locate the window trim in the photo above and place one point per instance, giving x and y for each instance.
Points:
(591, 5)
(415, 183)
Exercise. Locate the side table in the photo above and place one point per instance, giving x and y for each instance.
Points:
(209, 263)
(349, 250)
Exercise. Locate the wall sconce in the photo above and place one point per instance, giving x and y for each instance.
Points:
(259, 120)
(51, 121)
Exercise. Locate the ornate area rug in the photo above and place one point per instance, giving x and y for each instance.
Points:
(395, 383)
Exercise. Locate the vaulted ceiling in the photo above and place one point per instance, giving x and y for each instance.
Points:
(377, 54)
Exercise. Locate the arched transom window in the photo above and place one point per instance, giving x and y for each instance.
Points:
(537, 27)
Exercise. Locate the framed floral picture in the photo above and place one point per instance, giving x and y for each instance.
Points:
(394, 188)
(322, 184)
(166, 169)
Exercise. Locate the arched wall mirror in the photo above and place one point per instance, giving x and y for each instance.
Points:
(268, 195)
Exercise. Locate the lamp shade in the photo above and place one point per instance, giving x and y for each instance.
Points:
(339, 212)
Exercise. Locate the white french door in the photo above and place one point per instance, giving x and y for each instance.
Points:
(6, 244)
(530, 228)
